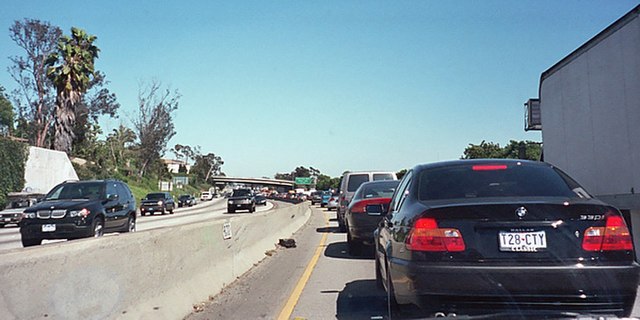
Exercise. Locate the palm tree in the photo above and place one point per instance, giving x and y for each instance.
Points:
(119, 141)
(70, 69)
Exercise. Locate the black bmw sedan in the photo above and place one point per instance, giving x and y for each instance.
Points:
(478, 236)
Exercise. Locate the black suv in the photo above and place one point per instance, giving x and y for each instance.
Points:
(157, 202)
(186, 200)
(241, 199)
(80, 209)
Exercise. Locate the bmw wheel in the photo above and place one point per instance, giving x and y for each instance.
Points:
(98, 227)
(131, 224)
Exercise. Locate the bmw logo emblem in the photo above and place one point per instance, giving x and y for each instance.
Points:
(521, 212)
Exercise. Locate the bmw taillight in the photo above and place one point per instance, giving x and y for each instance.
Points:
(614, 236)
(427, 236)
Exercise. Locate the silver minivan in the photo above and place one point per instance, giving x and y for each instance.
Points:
(350, 182)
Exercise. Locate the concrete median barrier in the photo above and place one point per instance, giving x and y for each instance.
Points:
(155, 274)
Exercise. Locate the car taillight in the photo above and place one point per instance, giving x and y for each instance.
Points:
(361, 206)
(612, 237)
(427, 236)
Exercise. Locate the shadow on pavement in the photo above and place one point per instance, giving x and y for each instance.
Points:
(341, 251)
(329, 230)
(362, 299)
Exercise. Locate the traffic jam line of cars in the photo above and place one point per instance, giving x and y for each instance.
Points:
(81, 209)
(482, 237)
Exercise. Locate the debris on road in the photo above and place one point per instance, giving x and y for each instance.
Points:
(270, 252)
(287, 243)
(198, 307)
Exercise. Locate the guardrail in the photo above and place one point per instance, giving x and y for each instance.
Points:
(155, 274)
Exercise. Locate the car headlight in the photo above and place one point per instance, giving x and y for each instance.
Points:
(28, 215)
(159, 203)
(83, 213)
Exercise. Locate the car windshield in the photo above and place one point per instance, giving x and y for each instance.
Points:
(155, 196)
(87, 191)
(156, 129)
(488, 181)
(241, 193)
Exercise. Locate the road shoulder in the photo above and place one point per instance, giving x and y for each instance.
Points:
(262, 292)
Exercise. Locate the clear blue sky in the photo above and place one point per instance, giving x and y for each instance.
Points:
(337, 85)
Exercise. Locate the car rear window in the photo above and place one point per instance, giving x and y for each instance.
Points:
(508, 181)
(380, 190)
(355, 180)
(382, 176)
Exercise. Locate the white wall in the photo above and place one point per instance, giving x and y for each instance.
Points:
(155, 274)
(46, 168)
(591, 114)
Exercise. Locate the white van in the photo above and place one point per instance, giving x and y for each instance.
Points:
(206, 196)
(350, 182)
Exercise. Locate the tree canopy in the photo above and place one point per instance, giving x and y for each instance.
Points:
(71, 69)
(526, 150)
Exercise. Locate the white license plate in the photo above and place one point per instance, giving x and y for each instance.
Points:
(48, 227)
(7, 219)
(522, 241)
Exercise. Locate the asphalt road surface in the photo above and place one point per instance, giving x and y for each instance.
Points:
(208, 210)
(289, 284)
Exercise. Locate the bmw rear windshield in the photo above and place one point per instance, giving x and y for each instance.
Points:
(496, 180)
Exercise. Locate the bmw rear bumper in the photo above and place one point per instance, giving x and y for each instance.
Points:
(575, 288)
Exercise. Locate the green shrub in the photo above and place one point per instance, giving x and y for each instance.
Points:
(13, 157)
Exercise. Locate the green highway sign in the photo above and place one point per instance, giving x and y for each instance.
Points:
(304, 180)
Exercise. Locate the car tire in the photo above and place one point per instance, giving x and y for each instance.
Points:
(163, 211)
(2, 226)
(253, 209)
(97, 227)
(171, 211)
(142, 213)
(394, 307)
(341, 226)
(131, 225)
(31, 242)
(355, 247)
(231, 210)
(379, 283)
(322, 205)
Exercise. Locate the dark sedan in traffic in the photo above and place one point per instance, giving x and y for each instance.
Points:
(161, 202)
(360, 224)
(480, 236)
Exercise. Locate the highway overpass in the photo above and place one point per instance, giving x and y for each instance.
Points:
(285, 184)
